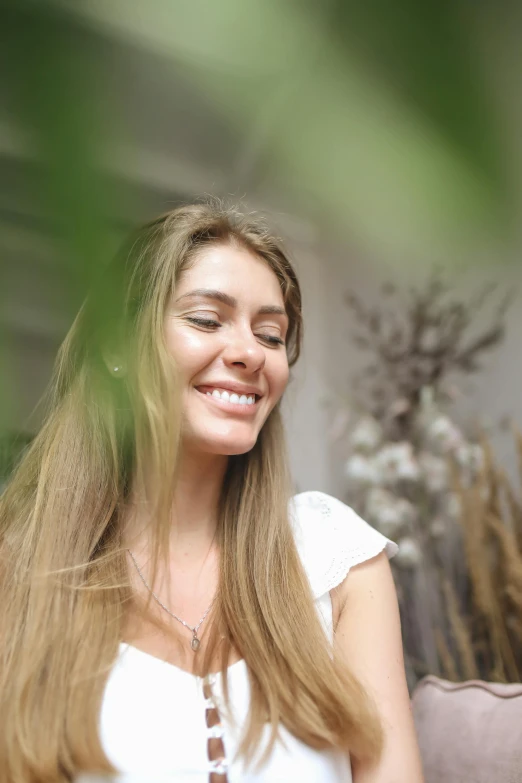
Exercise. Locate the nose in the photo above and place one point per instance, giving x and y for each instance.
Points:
(243, 350)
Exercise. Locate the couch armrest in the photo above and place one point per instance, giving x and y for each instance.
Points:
(469, 732)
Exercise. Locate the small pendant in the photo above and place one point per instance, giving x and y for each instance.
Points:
(195, 643)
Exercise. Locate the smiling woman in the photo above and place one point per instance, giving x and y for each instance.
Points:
(169, 611)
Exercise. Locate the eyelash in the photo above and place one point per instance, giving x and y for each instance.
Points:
(208, 323)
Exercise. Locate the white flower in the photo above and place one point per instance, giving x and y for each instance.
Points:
(453, 506)
(382, 511)
(438, 527)
(409, 554)
(387, 512)
(360, 471)
(367, 435)
(443, 435)
(377, 499)
(389, 521)
(409, 513)
(435, 472)
(470, 456)
(408, 470)
(396, 462)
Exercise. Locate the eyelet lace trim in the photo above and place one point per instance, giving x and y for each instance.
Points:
(333, 539)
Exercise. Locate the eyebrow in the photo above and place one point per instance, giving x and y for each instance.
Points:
(230, 301)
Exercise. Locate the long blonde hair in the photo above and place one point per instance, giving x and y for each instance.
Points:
(65, 587)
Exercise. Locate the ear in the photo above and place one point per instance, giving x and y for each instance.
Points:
(115, 365)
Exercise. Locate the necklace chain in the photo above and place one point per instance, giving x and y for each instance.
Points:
(195, 642)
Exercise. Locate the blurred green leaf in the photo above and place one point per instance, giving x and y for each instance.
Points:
(55, 95)
(383, 125)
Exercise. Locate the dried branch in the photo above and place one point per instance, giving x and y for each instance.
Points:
(420, 342)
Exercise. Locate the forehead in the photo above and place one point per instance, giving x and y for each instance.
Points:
(234, 271)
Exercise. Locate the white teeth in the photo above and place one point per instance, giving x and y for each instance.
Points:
(234, 398)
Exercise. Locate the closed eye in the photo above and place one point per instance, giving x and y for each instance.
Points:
(209, 323)
(206, 322)
(271, 339)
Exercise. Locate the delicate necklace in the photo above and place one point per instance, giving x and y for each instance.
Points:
(195, 642)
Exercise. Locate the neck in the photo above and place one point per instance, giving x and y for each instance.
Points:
(194, 511)
(196, 500)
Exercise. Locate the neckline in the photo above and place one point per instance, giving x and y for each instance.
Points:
(172, 666)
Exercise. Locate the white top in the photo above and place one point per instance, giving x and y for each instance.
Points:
(153, 725)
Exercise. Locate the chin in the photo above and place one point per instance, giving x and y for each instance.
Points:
(226, 445)
(229, 449)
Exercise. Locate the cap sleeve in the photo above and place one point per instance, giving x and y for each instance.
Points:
(331, 538)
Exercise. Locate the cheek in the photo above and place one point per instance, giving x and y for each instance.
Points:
(279, 375)
(189, 349)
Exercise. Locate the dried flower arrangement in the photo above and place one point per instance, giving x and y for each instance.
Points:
(414, 475)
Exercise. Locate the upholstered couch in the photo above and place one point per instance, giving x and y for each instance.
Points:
(469, 732)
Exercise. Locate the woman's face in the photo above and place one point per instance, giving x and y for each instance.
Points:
(225, 327)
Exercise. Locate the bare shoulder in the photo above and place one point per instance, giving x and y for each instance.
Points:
(368, 637)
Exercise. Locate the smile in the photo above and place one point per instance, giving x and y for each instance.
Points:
(238, 403)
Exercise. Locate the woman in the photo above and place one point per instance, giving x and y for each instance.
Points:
(168, 610)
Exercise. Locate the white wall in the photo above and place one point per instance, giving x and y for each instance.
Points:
(304, 408)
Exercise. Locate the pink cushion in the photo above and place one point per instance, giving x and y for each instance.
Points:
(469, 732)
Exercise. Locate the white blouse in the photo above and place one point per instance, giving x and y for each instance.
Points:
(153, 725)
